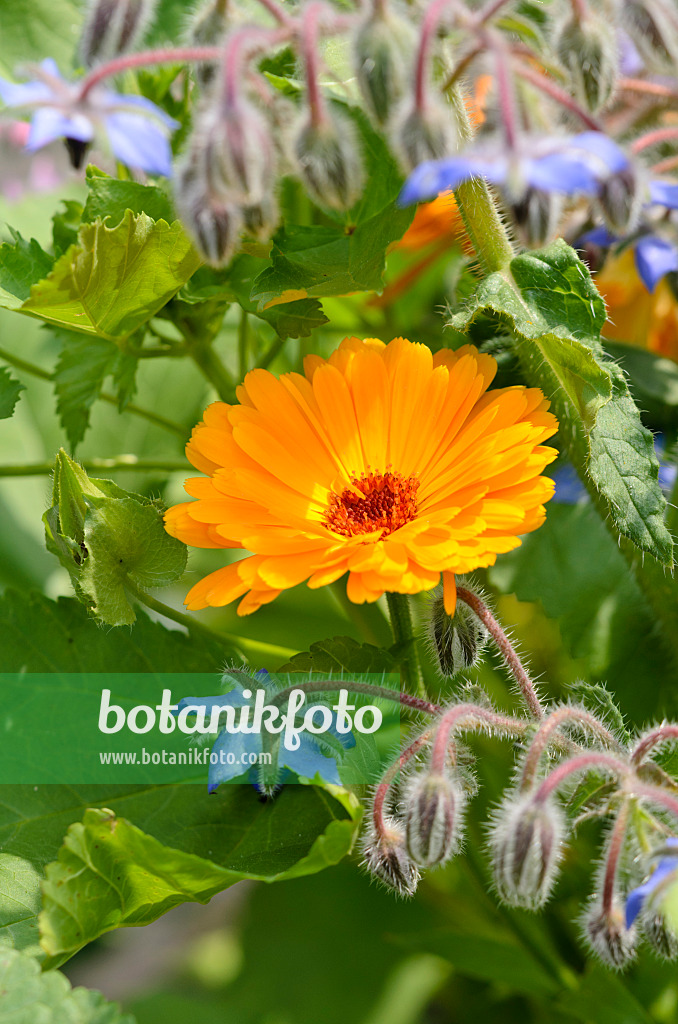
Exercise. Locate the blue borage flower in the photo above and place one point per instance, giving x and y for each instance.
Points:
(655, 254)
(313, 757)
(665, 871)
(137, 130)
(578, 164)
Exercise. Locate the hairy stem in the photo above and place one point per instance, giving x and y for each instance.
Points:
(659, 735)
(581, 763)
(118, 462)
(355, 686)
(484, 225)
(544, 737)
(548, 86)
(477, 718)
(615, 846)
(505, 648)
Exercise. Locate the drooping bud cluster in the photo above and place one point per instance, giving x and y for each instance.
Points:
(606, 932)
(329, 161)
(434, 807)
(113, 27)
(588, 52)
(456, 641)
(383, 50)
(386, 857)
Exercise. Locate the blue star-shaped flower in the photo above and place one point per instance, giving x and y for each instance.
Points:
(666, 867)
(137, 130)
(580, 164)
(233, 750)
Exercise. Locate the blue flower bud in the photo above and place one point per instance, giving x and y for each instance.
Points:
(329, 161)
(660, 935)
(434, 806)
(526, 842)
(113, 27)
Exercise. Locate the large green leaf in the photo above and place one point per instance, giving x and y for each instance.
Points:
(111, 874)
(10, 389)
(115, 279)
(30, 997)
(556, 314)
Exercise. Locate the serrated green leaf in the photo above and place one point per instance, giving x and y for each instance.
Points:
(110, 874)
(65, 226)
(289, 319)
(30, 997)
(82, 367)
(110, 198)
(341, 653)
(115, 279)
(556, 314)
(10, 389)
(22, 264)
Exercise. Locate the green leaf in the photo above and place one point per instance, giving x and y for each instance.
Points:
(289, 319)
(10, 390)
(115, 279)
(556, 315)
(31, 997)
(653, 381)
(65, 226)
(341, 652)
(22, 265)
(35, 29)
(110, 874)
(110, 198)
(604, 998)
(82, 367)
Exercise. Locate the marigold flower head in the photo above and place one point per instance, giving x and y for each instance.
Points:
(385, 462)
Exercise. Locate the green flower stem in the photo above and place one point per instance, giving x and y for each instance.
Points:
(369, 618)
(200, 349)
(243, 343)
(252, 649)
(120, 462)
(484, 225)
(146, 414)
(270, 354)
(403, 633)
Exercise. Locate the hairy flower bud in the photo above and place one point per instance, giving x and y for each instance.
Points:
(653, 27)
(536, 216)
(607, 934)
(457, 641)
(426, 135)
(386, 856)
(620, 200)
(261, 219)
(382, 54)
(207, 27)
(213, 224)
(113, 27)
(526, 841)
(588, 50)
(329, 160)
(434, 805)
(660, 935)
(237, 149)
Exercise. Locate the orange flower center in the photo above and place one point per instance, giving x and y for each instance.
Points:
(378, 501)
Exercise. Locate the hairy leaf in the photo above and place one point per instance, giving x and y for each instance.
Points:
(22, 264)
(341, 653)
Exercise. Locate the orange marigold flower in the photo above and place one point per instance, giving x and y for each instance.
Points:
(649, 320)
(385, 462)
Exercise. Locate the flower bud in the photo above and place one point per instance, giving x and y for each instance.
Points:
(235, 144)
(213, 224)
(536, 216)
(588, 50)
(261, 219)
(428, 134)
(330, 162)
(113, 27)
(620, 199)
(207, 27)
(660, 935)
(607, 934)
(653, 28)
(382, 54)
(386, 856)
(434, 806)
(457, 641)
(526, 841)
